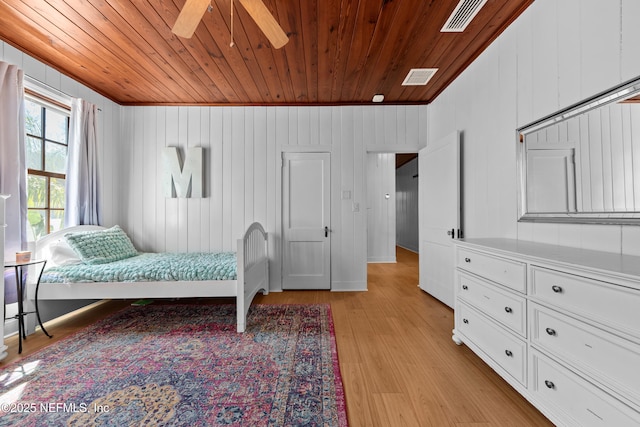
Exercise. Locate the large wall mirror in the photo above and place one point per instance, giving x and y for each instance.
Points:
(582, 164)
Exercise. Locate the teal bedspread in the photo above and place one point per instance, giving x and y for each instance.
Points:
(150, 267)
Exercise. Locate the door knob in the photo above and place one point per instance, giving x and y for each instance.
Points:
(326, 231)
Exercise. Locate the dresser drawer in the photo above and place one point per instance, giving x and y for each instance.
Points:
(501, 270)
(611, 305)
(575, 399)
(503, 348)
(508, 308)
(611, 360)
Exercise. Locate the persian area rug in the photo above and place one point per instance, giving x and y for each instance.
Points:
(183, 365)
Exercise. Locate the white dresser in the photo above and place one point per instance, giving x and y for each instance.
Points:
(3, 348)
(561, 325)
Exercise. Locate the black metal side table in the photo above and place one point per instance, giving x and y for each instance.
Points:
(20, 271)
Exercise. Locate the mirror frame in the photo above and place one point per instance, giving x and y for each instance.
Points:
(615, 94)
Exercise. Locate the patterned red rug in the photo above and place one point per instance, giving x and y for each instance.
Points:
(183, 365)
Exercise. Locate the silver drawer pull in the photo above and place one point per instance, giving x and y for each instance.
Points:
(465, 287)
(549, 384)
(508, 353)
(508, 310)
(551, 332)
(467, 260)
(557, 289)
(466, 321)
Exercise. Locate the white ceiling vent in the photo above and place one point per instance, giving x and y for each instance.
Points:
(419, 76)
(462, 15)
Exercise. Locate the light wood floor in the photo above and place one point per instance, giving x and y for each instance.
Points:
(399, 365)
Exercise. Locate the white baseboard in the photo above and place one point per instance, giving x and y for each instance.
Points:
(414, 250)
(382, 260)
(348, 286)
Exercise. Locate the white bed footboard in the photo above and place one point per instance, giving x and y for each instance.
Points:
(253, 269)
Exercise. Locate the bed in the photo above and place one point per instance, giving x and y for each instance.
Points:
(251, 274)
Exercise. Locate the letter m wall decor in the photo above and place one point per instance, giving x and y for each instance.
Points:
(185, 177)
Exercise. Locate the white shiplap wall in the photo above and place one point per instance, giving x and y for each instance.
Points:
(381, 211)
(243, 159)
(553, 55)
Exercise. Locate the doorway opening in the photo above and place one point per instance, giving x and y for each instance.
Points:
(392, 205)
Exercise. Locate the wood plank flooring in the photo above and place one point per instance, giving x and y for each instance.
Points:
(398, 363)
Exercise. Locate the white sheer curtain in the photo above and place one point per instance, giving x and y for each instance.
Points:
(83, 204)
(13, 170)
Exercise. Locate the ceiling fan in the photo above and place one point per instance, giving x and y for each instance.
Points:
(193, 10)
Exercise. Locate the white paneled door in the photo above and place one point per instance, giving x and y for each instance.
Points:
(439, 212)
(306, 214)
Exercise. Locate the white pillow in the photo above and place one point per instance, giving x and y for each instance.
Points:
(62, 254)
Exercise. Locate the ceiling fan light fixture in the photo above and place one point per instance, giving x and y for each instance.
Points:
(193, 10)
(190, 17)
(266, 22)
(378, 98)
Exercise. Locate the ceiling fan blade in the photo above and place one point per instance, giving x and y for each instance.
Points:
(266, 22)
(190, 17)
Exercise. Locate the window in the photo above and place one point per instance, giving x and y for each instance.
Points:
(47, 138)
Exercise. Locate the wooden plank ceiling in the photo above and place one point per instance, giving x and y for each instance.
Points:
(339, 52)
